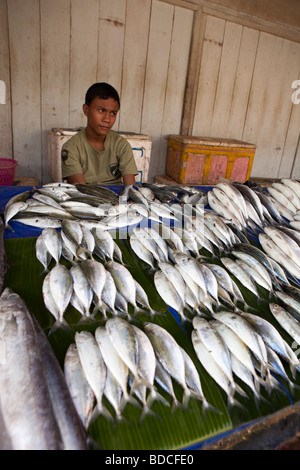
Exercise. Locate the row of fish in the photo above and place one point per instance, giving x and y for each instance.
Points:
(36, 409)
(94, 205)
(123, 364)
(244, 346)
(92, 287)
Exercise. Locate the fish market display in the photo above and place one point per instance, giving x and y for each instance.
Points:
(121, 363)
(37, 411)
(244, 346)
(215, 258)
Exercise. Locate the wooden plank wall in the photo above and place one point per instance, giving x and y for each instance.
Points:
(51, 51)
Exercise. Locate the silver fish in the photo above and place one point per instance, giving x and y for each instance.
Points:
(168, 293)
(94, 368)
(213, 342)
(285, 243)
(96, 275)
(293, 184)
(80, 390)
(61, 287)
(273, 339)
(169, 354)
(53, 243)
(82, 289)
(38, 221)
(114, 393)
(104, 243)
(25, 400)
(240, 273)
(72, 431)
(149, 242)
(114, 364)
(123, 338)
(287, 321)
(12, 210)
(124, 281)
(282, 199)
(288, 192)
(174, 276)
(278, 255)
(164, 380)
(108, 295)
(42, 254)
(246, 333)
(213, 369)
(141, 251)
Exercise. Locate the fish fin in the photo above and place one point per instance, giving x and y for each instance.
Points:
(154, 395)
(8, 227)
(86, 320)
(206, 406)
(60, 324)
(146, 411)
(100, 411)
(129, 399)
(81, 250)
(186, 397)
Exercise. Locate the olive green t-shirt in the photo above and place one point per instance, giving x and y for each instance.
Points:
(105, 167)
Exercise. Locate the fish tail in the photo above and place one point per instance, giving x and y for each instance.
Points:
(154, 395)
(146, 411)
(8, 227)
(86, 320)
(81, 250)
(60, 324)
(129, 399)
(206, 406)
(100, 410)
(233, 402)
(186, 397)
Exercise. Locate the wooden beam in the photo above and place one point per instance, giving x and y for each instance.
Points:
(193, 73)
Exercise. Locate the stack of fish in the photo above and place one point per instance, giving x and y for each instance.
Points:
(125, 364)
(36, 408)
(89, 285)
(244, 346)
(94, 205)
(282, 244)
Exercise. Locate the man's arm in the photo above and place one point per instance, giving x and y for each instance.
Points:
(76, 179)
(128, 179)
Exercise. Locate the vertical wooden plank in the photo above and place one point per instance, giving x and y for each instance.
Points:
(193, 72)
(208, 79)
(6, 150)
(275, 112)
(281, 106)
(177, 71)
(290, 160)
(24, 31)
(242, 83)
(177, 75)
(134, 64)
(111, 42)
(83, 55)
(226, 79)
(258, 97)
(55, 47)
(156, 77)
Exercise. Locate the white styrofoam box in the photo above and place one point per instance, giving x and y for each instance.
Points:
(141, 145)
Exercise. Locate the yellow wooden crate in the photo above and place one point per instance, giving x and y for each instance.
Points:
(204, 160)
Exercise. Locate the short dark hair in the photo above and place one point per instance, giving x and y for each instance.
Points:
(101, 90)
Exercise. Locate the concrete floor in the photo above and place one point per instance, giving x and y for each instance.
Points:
(279, 431)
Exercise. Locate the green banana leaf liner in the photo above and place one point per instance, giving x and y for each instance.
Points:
(168, 428)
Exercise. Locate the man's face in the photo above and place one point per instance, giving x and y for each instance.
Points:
(101, 115)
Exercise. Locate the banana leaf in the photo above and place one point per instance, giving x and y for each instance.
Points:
(168, 428)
